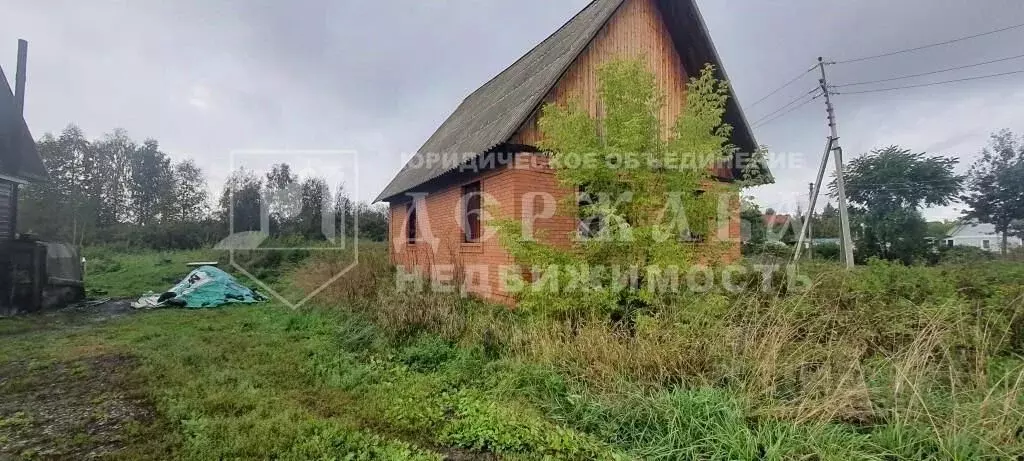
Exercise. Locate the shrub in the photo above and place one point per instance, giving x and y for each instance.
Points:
(883, 360)
(649, 216)
(828, 251)
(771, 251)
(963, 254)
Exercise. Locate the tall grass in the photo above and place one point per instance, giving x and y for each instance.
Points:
(884, 361)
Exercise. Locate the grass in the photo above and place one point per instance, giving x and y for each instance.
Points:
(889, 363)
(116, 274)
(256, 382)
(880, 363)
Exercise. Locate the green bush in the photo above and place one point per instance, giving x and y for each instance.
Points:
(828, 251)
(769, 250)
(963, 254)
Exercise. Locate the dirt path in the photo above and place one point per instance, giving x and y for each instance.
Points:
(88, 408)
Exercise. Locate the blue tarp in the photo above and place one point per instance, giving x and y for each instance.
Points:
(206, 286)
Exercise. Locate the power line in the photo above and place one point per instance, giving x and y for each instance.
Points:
(907, 186)
(758, 125)
(784, 106)
(766, 122)
(947, 42)
(794, 80)
(932, 72)
(909, 183)
(931, 84)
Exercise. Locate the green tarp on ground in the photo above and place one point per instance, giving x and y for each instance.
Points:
(206, 286)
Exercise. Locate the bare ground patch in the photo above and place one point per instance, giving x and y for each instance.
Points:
(81, 409)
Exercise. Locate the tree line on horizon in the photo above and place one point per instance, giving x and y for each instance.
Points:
(114, 190)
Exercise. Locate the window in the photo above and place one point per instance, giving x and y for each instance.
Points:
(471, 199)
(949, 243)
(687, 235)
(986, 244)
(410, 223)
(691, 237)
(587, 226)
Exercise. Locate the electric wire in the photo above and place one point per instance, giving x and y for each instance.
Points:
(931, 73)
(766, 122)
(931, 45)
(787, 105)
(878, 90)
(794, 80)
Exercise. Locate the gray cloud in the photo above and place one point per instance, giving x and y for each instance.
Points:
(207, 77)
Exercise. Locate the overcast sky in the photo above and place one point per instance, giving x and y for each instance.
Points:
(208, 77)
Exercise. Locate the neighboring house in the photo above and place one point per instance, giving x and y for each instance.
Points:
(487, 149)
(19, 162)
(978, 235)
(22, 263)
(780, 227)
(776, 221)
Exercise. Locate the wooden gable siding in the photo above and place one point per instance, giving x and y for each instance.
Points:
(6, 209)
(637, 30)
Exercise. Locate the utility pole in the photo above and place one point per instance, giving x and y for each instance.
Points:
(844, 216)
(810, 217)
(829, 142)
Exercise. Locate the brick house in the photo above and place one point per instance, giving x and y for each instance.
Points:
(486, 150)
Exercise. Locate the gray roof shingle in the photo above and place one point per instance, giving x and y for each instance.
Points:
(490, 115)
(18, 155)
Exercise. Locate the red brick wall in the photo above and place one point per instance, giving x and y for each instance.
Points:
(507, 193)
(444, 248)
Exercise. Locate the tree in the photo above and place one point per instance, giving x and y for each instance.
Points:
(995, 185)
(73, 195)
(887, 187)
(343, 211)
(241, 202)
(940, 229)
(284, 192)
(827, 223)
(152, 184)
(115, 190)
(650, 216)
(46, 207)
(315, 200)
(373, 221)
(190, 193)
(115, 153)
(1016, 229)
(752, 222)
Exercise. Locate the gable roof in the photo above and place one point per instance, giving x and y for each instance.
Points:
(772, 220)
(973, 229)
(489, 116)
(18, 156)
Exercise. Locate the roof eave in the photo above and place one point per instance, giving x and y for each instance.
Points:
(748, 144)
